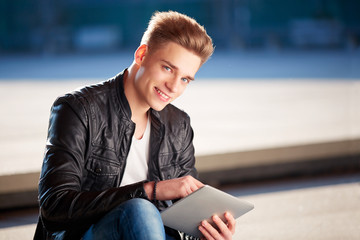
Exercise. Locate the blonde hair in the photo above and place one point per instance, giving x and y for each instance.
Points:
(175, 27)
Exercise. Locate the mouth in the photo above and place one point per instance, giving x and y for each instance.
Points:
(163, 96)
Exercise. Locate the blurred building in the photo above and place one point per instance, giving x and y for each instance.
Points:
(107, 25)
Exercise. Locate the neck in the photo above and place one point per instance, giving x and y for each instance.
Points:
(138, 109)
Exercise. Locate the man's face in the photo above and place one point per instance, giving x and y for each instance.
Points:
(164, 74)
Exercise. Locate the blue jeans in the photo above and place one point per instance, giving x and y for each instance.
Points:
(134, 219)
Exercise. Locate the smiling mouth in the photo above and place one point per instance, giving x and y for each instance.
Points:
(163, 96)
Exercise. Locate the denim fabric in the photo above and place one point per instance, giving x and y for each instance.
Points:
(135, 219)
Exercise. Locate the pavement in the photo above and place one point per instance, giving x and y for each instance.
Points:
(322, 209)
(325, 208)
(255, 116)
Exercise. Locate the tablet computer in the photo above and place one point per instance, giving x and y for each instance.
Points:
(186, 214)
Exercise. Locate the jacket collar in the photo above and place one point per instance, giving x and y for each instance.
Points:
(123, 102)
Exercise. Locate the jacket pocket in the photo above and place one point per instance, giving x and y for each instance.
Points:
(102, 174)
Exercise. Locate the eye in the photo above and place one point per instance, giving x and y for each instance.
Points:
(185, 80)
(167, 68)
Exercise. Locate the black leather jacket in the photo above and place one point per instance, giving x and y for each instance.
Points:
(89, 137)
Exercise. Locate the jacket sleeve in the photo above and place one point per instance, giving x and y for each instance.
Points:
(187, 158)
(63, 205)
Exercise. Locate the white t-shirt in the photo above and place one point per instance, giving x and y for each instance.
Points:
(136, 169)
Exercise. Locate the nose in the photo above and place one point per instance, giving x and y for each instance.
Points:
(173, 85)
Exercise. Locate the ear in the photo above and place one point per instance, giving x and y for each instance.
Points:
(140, 53)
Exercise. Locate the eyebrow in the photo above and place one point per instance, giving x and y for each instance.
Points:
(176, 68)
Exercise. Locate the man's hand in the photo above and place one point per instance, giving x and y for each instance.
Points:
(181, 187)
(226, 229)
(174, 188)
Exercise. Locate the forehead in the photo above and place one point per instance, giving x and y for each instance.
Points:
(180, 57)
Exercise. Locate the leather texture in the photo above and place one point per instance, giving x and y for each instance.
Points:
(89, 137)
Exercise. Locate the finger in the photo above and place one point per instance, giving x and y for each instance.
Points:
(184, 190)
(192, 183)
(211, 230)
(189, 190)
(223, 228)
(205, 233)
(231, 222)
(195, 184)
(198, 183)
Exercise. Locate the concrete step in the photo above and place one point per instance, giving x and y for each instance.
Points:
(19, 190)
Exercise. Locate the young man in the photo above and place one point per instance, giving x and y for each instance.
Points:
(117, 152)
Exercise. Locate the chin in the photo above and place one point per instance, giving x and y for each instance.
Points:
(159, 108)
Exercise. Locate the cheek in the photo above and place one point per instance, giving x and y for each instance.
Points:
(180, 92)
(153, 74)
